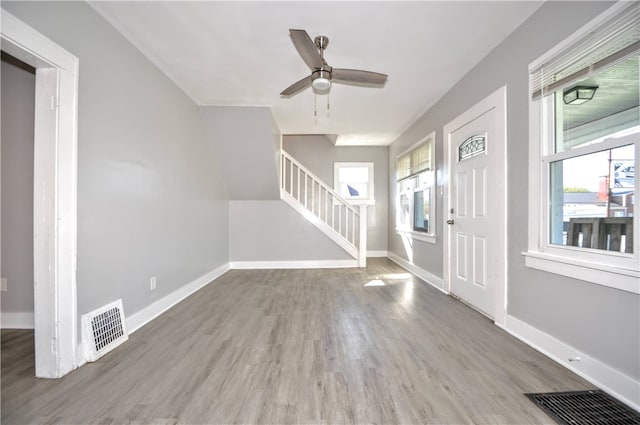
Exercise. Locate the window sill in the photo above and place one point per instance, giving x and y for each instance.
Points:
(417, 235)
(600, 274)
(361, 201)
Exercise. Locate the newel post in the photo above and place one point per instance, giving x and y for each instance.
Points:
(362, 251)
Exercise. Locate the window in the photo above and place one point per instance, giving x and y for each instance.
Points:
(354, 181)
(415, 211)
(584, 149)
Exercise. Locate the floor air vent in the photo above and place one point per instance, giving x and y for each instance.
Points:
(103, 330)
(594, 407)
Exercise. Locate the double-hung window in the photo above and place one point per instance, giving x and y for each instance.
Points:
(584, 150)
(415, 203)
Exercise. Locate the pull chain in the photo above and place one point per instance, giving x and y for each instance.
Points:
(315, 107)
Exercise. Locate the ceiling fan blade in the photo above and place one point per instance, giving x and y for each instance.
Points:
(297, 87)
(358, 77)
(307, 48)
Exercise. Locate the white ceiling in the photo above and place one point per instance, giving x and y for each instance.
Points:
(240, 53)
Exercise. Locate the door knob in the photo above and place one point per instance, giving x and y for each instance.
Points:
(450, 221)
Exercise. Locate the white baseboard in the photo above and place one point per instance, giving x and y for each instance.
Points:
(376, 254)
(147, 314)
(16, 320)
(619, 385)
(81, 355)
(304, 264)
(431, 279)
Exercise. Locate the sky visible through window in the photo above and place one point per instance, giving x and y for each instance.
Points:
(586, 172)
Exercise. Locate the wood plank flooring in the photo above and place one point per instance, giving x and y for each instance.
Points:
(297, 346)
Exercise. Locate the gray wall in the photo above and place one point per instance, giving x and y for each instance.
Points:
(596, 320)
(245, 137)
(150, 196)
(18, 103)
(318, 154)
(273, 231)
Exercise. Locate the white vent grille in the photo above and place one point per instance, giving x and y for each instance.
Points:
(103, 330)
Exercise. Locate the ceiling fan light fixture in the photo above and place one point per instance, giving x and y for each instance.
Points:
(321, 85)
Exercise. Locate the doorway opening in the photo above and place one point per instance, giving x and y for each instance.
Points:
(18, 93)
(55, 192)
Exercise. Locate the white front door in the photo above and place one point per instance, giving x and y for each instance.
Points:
(477, 256)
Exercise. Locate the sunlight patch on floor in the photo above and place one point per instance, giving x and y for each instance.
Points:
(407, 294)
(394, 276)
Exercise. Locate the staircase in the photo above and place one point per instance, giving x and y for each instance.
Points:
(342, 222)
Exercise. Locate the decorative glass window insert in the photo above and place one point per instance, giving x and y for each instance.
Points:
(474, 145)
(584, 149)
(416, 189)
(354, 181)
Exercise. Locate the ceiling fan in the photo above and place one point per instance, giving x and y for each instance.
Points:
(322, 75)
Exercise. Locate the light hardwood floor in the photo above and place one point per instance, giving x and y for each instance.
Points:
(297, 346)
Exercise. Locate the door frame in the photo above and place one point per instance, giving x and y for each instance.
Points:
(55, 194)
(498, 161)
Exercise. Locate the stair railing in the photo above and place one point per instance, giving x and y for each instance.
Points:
(324, 207)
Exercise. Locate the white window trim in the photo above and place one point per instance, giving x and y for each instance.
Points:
(615, 270)
(430, 237)
(356, 201)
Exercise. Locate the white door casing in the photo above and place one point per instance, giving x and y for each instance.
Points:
(55, 194)
(475, 256)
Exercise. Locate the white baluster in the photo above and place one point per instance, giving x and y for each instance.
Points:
(313, 195)
(326, 207)
(280, 170)
(353, 227)
(298, 197)
(291, 178)
(362, 251)
(333, 214)
(346, 223)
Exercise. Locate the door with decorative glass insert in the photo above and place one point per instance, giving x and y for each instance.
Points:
(472, 241)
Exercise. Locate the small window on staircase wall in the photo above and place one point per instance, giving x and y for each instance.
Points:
(354, 181)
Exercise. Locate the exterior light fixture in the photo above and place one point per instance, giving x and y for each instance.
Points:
(579, 94)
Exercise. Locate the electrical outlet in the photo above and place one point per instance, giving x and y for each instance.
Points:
(152, 283)
(3, 284)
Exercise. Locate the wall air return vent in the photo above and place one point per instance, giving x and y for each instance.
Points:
(103, 330)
